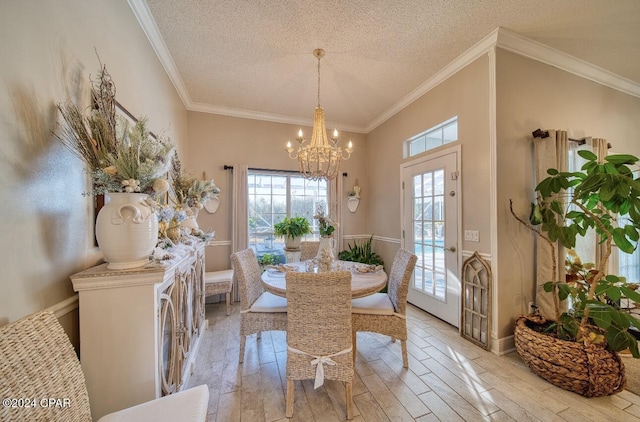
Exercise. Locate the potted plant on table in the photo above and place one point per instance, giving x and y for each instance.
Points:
(266, 260)
(293, 229)
(578, 351)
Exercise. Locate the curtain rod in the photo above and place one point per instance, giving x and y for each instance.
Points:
(539, 133)
(228, 167)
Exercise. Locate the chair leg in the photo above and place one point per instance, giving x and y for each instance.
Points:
(393, 339)
(228, 303)
(243, 340)
(405, 357)
(259, 334)
(353, 347)
(349, 399)
(289, 403)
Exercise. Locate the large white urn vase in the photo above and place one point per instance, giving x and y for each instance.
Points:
(126, 230)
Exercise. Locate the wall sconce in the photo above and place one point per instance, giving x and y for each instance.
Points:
(354, 198)
(212, 205)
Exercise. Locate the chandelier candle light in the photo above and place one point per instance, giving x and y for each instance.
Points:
(319, 159)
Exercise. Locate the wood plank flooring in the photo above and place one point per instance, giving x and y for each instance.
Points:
(449, 379)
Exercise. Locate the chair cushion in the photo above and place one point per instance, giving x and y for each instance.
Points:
(268, 302)
(217, 276)
(185, 406)
(375, 304)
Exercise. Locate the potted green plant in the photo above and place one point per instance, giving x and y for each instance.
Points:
(361, 253)
(595, 326)
(293, 229)
(266, 259)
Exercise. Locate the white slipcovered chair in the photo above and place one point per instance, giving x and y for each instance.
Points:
(38, 362)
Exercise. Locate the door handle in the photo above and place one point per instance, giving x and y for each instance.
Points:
(451, 249)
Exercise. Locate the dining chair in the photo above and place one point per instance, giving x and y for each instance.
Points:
(319, 344)
(309, 249)
(386, 313)
(41, 373)
(260, 310)
(219, 283)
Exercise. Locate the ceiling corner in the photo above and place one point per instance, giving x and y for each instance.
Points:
(148, 25)
(535, 50)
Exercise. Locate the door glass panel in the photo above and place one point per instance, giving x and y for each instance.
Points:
(428, 223)
(417, 209)
(438, 182)
(417, 279)
(417, 186)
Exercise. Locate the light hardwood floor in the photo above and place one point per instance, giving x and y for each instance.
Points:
(449, 379)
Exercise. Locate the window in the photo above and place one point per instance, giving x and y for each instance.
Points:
(273, 196)
(628, 265)
(438, 135)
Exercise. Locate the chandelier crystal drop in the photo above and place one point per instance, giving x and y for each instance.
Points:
(319, 159)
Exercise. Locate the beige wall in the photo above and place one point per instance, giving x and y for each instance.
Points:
(216, 140)
(47, 52)
(466, 95)
(533, 95)
(46, 226)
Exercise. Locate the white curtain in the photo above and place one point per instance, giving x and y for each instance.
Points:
(550, 152)
(240, 218)
(587, 246)
(335, 206)
(556, 151)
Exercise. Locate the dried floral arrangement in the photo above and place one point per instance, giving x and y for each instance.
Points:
(120, 156)
(188, 190)
(326, 225)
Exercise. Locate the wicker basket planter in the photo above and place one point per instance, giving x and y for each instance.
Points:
(589, 370)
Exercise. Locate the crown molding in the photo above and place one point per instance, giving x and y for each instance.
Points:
(148, 25)
(463, 60)
(509, 40)
(500, 37)
(276, 118)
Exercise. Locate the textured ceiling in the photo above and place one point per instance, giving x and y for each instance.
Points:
(255, 56)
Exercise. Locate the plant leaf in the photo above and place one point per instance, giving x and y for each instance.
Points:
(587, 155)
(620, 158)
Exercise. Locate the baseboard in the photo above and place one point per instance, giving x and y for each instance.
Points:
(503, 346)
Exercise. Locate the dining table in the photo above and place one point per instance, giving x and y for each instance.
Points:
(362, 283)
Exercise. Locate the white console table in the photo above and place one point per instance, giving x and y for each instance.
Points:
(140, 329)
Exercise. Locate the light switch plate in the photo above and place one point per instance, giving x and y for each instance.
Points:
(472, 235)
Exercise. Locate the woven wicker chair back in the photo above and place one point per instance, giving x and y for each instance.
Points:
(37, 361)
(399, 278)
(247, 270)
(309, 249)
(319, 322)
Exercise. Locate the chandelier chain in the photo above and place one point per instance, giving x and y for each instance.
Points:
(318, 81)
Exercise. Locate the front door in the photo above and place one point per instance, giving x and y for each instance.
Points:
(430, 229)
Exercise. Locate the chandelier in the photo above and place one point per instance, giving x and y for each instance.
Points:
(319, 159)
